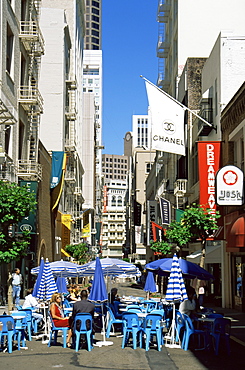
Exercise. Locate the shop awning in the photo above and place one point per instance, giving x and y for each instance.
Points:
(213, 255)
(236, 235)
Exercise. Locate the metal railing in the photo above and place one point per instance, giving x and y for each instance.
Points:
(30, 95)
(29, 170)
(31, 36)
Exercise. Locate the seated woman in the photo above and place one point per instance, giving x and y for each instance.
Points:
(57, 315)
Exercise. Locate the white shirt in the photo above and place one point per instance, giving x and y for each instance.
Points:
(187, 306)
(17, 279)
(30, 301)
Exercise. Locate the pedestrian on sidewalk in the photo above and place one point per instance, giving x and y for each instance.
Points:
(16, 285)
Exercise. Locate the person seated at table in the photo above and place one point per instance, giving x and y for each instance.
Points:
(76, 291)
(71, 295)
(82, 306)
(31, 302)
(189, 306)
(58, 317)
(113, 296)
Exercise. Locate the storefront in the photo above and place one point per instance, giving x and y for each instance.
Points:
(236, 248)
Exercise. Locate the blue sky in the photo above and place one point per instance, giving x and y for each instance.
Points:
(129, 39)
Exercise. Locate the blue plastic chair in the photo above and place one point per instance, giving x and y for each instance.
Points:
(20, 326)
(148, 305)
(112, 320)
(132, 306)
(180, 326)
(7, 330)
(83, 320)
(33, 319)
(131, 325)
(190, 331)
(152, 326)
(29, 322)
(115, 309)
(54, 331)
(221, 330)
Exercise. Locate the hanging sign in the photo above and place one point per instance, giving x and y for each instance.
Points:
(229, 186)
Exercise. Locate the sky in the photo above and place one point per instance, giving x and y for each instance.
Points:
(129, 40)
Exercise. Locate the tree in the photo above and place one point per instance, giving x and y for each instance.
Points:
(162, 247)
(79, 252)
(201, 222)
(16, 202)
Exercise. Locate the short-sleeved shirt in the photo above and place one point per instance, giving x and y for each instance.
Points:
(187, 307)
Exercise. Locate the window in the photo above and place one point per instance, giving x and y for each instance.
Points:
(9, 51)
(148, 167)
(119, 202)
(95, 11)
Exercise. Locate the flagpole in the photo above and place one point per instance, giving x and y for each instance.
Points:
(179, 103)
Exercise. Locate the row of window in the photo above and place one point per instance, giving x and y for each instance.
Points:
(142, 122)
(115, 165)
(115, 177)
(115, 160)
(121, 172)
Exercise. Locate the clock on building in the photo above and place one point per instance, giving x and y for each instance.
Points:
(128, 136)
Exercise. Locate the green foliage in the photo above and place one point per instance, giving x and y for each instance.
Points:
(16, 202)
(126, 259)
(178, 234)
(162, 247)
(79, 252)
(201, 222)
(196, 223)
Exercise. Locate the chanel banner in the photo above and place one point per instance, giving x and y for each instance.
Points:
(167, 122)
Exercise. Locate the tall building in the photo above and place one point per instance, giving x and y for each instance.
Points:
(114, 167)
(113, 219)
(23, 158)
(141, 131)
(61, 124)
(92, 85)
(93, 17)
(189, 29)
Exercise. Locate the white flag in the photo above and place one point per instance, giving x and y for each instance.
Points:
(167, 122)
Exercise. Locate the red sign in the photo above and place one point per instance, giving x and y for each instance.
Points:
(104, 198)
(209, 164)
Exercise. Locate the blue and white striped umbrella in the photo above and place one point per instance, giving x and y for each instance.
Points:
(47, 283)
(110, 267)
(62, 268)
(39, 276)
(176, 287)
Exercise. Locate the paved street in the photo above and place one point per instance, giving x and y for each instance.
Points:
(38, 355)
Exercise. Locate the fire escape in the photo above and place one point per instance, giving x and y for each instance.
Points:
(29, 96)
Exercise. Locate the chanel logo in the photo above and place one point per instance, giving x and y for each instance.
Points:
(169, 127)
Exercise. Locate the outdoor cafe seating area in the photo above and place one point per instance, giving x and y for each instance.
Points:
(140, 322)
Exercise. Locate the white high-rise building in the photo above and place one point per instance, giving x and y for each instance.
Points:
(189, 29)
(141, 131)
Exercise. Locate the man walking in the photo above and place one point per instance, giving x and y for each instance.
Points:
(16, 285)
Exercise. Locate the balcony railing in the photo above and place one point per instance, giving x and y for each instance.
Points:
(71, 81)
(180, 187)
(29, 170)
(71, 113)
(30, 95)
(31, 37)
(70, 176)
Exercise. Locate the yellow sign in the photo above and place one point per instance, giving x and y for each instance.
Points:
(66, 229)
